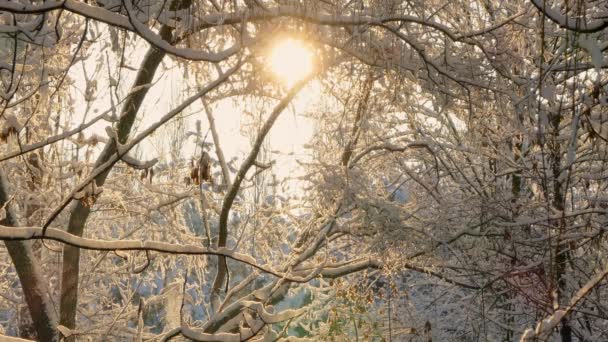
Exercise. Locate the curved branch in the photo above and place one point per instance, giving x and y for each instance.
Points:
(23, 149)
(303, 13)
(37, 233)
(187, 53)
(545, 327)
(79, 213)
(113, 152)
(122, 150)
(240, 176)
(580, 25)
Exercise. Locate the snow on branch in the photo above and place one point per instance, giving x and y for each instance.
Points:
(390, 148)
(244, 333)
(55, 138)
(242, 172)
(545, 327)
(130, 23)
(334, 19)
(139, 164)
(582, 25)
(270, 318)
(73, 6)
(36, 233)
(12, 339)
(190, 54)
(133, 24)
(122, 150)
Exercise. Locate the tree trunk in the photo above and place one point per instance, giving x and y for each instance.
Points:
(79, 213)
(33, 282)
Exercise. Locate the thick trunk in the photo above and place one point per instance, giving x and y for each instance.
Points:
(33, 283)
(79, 213)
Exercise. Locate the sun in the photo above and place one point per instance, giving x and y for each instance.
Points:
(291, 61)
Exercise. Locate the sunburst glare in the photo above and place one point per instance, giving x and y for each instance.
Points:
(291, 61)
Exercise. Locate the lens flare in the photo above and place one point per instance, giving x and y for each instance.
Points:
(291, 61)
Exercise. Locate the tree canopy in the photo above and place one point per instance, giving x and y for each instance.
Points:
(449, 185)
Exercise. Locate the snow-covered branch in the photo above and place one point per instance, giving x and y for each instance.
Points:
(37, 233)
(124, 149)
(582, 25)
(545, 327)
(242, 172)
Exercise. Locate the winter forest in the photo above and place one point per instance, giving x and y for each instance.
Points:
(304, 170)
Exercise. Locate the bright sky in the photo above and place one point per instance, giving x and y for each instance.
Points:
(290, 60)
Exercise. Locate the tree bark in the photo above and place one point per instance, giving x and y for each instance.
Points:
(79, 213)
(33, 282)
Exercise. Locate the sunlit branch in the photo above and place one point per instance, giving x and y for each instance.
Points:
(124, 149)
(244, 334)
(190, 54)
(138, 164)
(131, 23)
(387, 147)
(235, 289)
(545, 327)
(336, 19)
(421, 52)
(361, 112)
(240, 176)
(79, 212)
(582, 25)
(37, 233)
(216, 142)
(55, 138)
